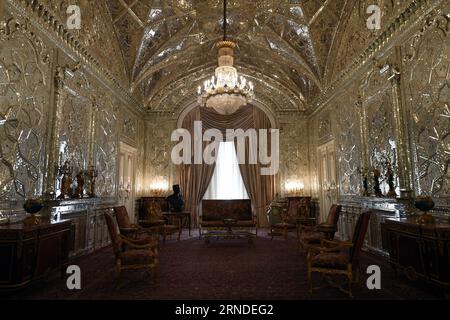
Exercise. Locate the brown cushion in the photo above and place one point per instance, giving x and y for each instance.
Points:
(147, 240)
(132, 257)
(334, 260)
(284, 225)
(312, 237)
(123, 221)
(214, 210)
(307, 229)
(152, 223)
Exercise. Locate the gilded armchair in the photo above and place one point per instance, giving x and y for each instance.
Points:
(127, 228)
(155, 220)
(338, 257)
(312, 235)
(139, 253)
(284, 214)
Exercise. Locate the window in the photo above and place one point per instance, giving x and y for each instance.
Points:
(226, 182)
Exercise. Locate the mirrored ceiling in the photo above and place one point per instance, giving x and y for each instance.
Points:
(285, 46)
(169, 45)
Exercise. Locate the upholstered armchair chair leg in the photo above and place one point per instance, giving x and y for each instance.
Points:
(309, 272)
(118, 271)
(310, 287)
(350, 280)
(357, 275)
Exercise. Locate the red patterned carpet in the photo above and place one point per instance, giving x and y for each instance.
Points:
(225, 269)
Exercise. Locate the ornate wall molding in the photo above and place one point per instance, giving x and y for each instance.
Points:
(426, 61)
(396, 31)
(25, 79)
(43, 20)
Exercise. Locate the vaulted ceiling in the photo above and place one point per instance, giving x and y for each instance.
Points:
(290, 49)
(169, 46)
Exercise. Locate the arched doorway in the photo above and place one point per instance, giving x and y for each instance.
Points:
(195, 177)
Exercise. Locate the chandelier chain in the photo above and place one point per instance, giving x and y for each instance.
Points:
(225, 91)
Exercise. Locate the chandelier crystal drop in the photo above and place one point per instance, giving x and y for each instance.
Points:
(226, 91)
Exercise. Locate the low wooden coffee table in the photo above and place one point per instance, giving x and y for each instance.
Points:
(229, 233)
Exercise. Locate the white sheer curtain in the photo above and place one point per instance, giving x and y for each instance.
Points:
(226, 182)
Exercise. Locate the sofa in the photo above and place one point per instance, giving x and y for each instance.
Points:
(213, 213)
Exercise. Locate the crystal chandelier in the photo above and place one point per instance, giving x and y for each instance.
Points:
(225, 92)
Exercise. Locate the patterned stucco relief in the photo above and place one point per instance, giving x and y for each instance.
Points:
(158, 146)
(427, 61)
(349, 145)
(76, 108)
(355, 36)
(96, 32)
(106, 146)
(294, 152)
(24, 86)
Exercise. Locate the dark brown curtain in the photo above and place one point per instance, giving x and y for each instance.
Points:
(260, 188)
(195, 178)
(241, 119)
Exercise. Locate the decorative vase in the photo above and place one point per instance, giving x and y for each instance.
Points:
(32, 206)
(390, 178)
(425, 204)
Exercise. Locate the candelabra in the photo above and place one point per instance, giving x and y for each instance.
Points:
(124, 191)
(390, 179)
(92, 175)
(330, 189)
(79, 191)
(294, 188)
(159, 188)
(376, 183)
(66, 181)
(158, 192)
(365, 177)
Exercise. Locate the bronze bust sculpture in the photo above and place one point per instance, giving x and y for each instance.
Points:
(175, 200)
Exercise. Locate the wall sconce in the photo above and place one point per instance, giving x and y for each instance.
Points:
(159, 188)
(294, 187)
(124, 191)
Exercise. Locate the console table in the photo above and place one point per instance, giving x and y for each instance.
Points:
(30, 253)
(421, 251)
